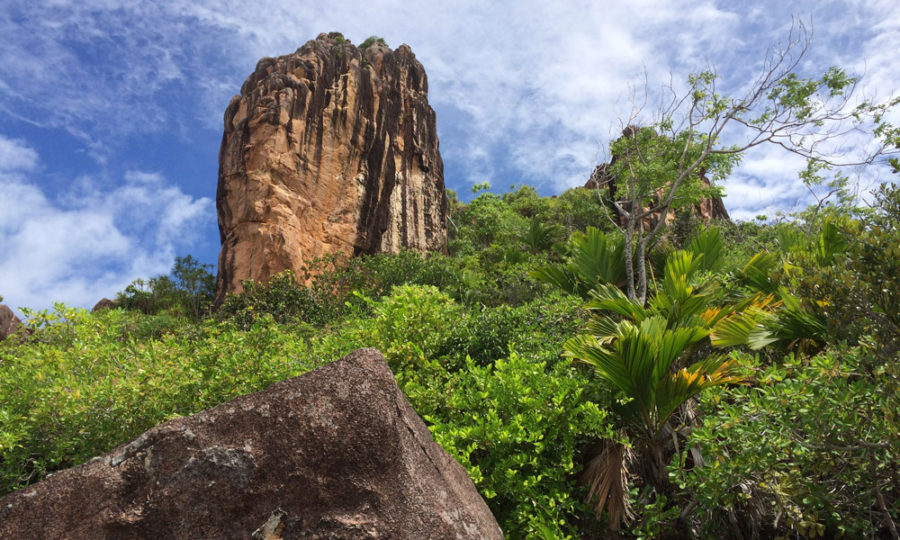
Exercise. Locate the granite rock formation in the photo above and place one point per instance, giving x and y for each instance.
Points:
(9, 323)
(706, 210)
(330, 149)
(103, 303)
(335, 453)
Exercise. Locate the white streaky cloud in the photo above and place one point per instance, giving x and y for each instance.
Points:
(532, 86)
(15, 155)
(90, 243)
(766, 178)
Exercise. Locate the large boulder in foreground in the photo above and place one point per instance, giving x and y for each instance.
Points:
(332, 148)
(336, 453)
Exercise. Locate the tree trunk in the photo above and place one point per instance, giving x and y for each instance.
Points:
(642, 270)
(629, 259)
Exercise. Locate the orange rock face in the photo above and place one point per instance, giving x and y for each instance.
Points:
(329, 149)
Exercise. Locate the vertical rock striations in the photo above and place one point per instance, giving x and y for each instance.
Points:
(330, 149)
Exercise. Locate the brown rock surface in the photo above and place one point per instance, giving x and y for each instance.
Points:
(329, 149)
(708, 209)
(9, 323)
(103, 303)
(335, 453)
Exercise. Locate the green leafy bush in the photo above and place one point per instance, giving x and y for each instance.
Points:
(371, 40)
(187, 291)
(332, 284)
(81, 385)
(517, 427)
(412, 323)
(810, 450)
(536, 329)
(284, 299)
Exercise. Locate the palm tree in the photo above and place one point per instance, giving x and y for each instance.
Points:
(645, 355)
(595, 258)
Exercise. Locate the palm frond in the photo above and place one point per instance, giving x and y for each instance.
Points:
(798, 327)
(758, 271)
(559, 276)
(708, 243)
(606, 477)
(746, 327)
(688, 382)
(595, 258)
(611, 370)
(598, 257)
(611, 298)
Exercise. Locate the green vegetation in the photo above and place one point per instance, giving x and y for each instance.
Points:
(667, 165)
(754, 393)
(371, 40)
(595, 375)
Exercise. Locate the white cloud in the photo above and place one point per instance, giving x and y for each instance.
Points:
(90, 243)
(15, 155)
(532, 87)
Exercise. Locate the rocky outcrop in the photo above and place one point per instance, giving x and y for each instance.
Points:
(335, 453)
(9, 323)
(103, 303)
(707, 209)
(330, 149)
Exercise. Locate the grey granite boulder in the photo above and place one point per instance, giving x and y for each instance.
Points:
(335, 453)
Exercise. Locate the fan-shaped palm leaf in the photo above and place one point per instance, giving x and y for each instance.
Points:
(594, 258)
(708, 243)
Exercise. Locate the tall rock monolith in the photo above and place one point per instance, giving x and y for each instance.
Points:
(332, 148)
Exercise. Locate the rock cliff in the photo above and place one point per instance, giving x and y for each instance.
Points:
(330, 149)
(335, 453)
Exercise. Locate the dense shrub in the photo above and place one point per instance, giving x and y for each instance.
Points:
(84, 384)
(187, 291)
(811, 450)
(536, 329)
(517, 427)
(484, 221)
(412, 323)
(325, 291)
(807, 447)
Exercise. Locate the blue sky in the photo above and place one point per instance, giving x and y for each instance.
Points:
(111, 111)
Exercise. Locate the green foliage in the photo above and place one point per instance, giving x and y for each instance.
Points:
(541, 237)
(806, 447)
(643, 355)
(640, 365)
(84, 383)
(573, 210)
(371, 40)
(517, 427)
(485, 221)
(708, 243)
(412, 323)
(805, 451)
(595, 258)
(333, 280)
(646, 163)
(187, 291)
(535, 330)
(284, 299)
